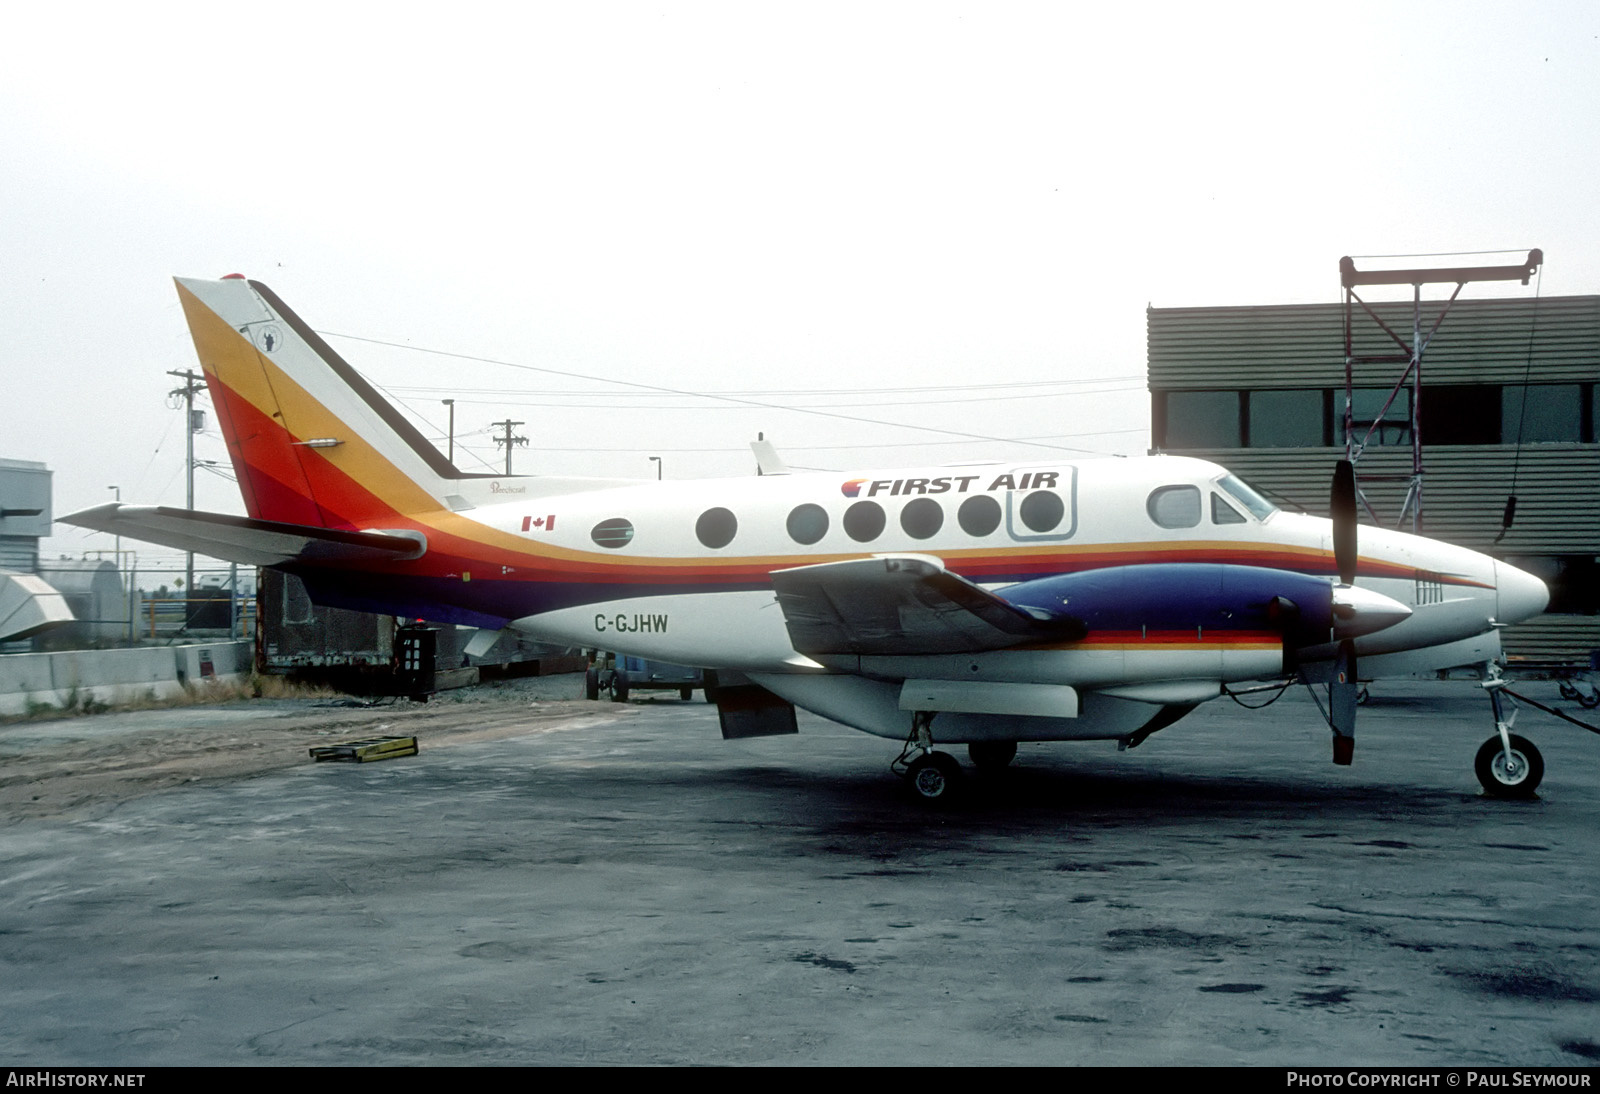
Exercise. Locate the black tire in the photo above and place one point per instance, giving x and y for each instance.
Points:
(1589, 701)
(1518, 782)
(935, 778)
(991, 755)
(686, 694)
(591, 684)
(619, 688)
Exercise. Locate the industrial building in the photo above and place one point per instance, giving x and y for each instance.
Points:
(1506, 407)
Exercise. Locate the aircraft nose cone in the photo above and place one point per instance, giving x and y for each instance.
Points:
(1519, 594)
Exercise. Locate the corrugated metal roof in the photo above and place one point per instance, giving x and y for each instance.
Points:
(1302, 345)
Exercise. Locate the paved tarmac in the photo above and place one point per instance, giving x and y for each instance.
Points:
(622, 886)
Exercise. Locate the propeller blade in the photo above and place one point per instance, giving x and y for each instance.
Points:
(1342, 694)
(1342, 508)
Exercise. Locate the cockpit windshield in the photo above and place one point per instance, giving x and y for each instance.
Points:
(1259, 506)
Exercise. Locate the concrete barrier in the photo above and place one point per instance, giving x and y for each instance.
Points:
(72, 677)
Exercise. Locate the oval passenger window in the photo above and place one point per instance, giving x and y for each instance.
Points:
(864, 521)
(979, 515)
(921, 518)
(1042, 510)
(613, 533)
(807, 523)
(716, 527)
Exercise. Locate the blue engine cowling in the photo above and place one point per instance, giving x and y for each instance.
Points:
(1183, 595)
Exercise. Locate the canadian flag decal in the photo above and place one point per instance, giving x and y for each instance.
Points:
(544, 524)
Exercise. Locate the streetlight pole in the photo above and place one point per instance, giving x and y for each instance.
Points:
(451, 403)
(657, 461)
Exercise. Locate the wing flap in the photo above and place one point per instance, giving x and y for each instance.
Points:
(903, 604)
(245, 540)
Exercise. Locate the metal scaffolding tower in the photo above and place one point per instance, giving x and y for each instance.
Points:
(1410, 355)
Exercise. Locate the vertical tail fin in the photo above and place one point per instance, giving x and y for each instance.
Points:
(311, 441)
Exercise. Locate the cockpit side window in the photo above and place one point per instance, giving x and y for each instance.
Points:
(1223, 513)
(1174, 506)
(1259, 507)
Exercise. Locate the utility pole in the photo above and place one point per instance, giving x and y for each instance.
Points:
(116, 553)
(508, 440)
(193, 383)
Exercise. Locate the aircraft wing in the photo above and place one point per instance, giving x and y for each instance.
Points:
(903, 604)
(243, 539)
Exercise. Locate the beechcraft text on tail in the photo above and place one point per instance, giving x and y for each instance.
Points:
(983, 604)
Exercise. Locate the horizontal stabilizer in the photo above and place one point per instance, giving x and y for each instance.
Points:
(903, 604)
(244, 539)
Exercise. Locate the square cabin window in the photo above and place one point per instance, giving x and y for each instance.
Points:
(1287, 419)
(1202, 419)
(1542, 413)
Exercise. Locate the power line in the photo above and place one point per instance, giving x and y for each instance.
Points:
(843, 447)
(1130, 378)
(726, 398)
(613, 405)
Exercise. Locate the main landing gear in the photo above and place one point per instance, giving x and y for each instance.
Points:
(936, 777)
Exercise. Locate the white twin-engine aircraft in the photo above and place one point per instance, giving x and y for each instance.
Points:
(984, 604)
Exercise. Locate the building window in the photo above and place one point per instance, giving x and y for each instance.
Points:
(1541, 414)
(921, 518)
(613, 533)
(1174, 506)
(716, 527)
(1288, 419)
(864, 521)
(1201, 419)
(1460, 414)
(1365, 404)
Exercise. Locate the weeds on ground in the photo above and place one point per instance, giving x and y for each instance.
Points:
(77, 703)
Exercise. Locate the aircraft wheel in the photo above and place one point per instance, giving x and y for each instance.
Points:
(1590, 701)
(991, 755)
(1568, 691)
(1517, 779)
(591, 684)
(686, 694)
(619, 688)
(935, 777)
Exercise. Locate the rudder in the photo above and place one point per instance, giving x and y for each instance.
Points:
(310, 440)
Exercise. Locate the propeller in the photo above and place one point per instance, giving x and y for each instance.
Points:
(1342, 692)
(1342, 508)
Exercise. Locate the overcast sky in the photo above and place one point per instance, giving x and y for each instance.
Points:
(948, 215)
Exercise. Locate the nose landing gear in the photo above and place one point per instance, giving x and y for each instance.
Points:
(1511, 768)
(1508, 766)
